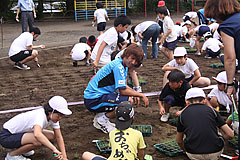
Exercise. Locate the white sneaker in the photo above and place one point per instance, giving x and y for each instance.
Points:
(19, 157)
(197, 54)
(165, 117)
(105, 126)
(30, 153)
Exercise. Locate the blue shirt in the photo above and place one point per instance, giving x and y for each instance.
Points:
(231, 27)
(107, 80)
(25, 5)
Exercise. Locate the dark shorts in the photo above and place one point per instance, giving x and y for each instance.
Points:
(170, 99)
(170, 45)
(202, 30)
(101, 26)
(9, 140)
(213, 54)
(21, 55)
(105, 103)
(189, 79)
(98, 158)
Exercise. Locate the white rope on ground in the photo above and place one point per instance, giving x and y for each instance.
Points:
(44, 50)
(82, 102)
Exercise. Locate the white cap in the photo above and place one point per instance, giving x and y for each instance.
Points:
(221, 77)
(207, 34)
(195, 93)
(59, 104)
(179, 52)
(187, 22)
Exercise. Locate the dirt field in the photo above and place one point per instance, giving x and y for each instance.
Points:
(57, 76)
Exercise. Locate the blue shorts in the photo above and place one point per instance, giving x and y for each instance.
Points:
(202, 30)
(101, 26)
(170, 45)
(98, 158)
(105, 103)
(9, 140)
(21, 55)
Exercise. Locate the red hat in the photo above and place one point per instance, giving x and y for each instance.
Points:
(161, 3)
(178, 22)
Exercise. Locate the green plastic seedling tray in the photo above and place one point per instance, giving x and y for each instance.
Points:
(192, 50)
(169, 148)
(234, 142)
(103, 146)
(217, 65)
(145, 129)
(173, 121)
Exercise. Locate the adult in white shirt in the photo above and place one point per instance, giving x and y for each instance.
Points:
(145, 31)
(27, 131)
(22, 50)
(187, 66)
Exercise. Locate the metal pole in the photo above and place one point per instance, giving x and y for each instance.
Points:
(2, 30)
(145, 8)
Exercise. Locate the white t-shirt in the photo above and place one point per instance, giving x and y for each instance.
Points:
(184, 30)
(110, 37)
(188, 68)
(20, 43)
(124, 35)
(140, 28)
(168, 24)
(178, 29)
(221, 96)
(78, 51)
(191, 14)
(216, 35)
(212, 44)
(213, 26)
(25, 122)
(100, 15)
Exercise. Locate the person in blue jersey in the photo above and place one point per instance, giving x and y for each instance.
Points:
(108, 88)
(227, 14)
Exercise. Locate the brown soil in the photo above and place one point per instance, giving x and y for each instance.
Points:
(57, 76)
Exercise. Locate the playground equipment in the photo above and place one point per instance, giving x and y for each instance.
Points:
(84, 9)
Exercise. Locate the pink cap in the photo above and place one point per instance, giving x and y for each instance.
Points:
(161, 3)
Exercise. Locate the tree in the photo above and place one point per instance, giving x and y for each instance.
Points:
(4, 7)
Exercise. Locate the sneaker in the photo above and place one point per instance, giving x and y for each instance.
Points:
(237, 152)
(19, 157)
(106, 126)
(165, 117)
(30, 153)
(75, 63)
(197, 54)
(87, 64)
(208, 57)
(21, 66)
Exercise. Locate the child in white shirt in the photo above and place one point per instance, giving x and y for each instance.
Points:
(211, 47)
(187, 66)
(100, 15)
(81, 51)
